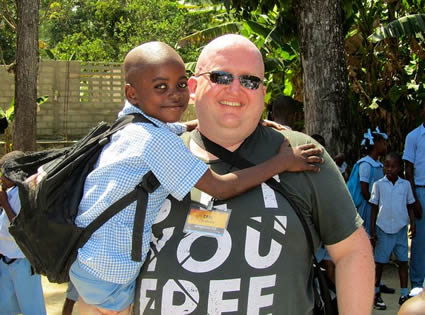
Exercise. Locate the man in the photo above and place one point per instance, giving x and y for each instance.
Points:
(414, 157)
(261, 262)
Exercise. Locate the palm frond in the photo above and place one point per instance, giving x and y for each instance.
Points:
(205, 36)
(407, 25)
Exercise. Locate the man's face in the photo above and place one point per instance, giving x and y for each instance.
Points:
(161, 91)
(228, 112)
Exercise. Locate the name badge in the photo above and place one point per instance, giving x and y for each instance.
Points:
(213, 221)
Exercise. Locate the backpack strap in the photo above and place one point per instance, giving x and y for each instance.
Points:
(140, 193)
(235, 159)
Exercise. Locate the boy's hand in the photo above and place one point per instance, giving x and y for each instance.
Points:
(412, 230)
(300, 158)
(3, 197)
(273, 124)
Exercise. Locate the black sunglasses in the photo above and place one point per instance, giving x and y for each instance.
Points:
(250, 82)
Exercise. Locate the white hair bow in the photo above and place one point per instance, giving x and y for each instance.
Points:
(383, 134)
(367, 135)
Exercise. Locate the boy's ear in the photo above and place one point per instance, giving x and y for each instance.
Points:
(130, 93)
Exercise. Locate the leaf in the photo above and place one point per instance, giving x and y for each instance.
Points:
(10, 112)
(374, 104)
(205, 36)
(406, 25)
(42, 99)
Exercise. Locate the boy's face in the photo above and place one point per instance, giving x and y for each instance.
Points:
(392, 168)
(160, 91)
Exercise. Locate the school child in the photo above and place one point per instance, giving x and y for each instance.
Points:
(156, 86)
(392, 200)
(374, 144)
(20, 288)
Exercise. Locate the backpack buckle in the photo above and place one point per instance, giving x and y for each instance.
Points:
(149, 182)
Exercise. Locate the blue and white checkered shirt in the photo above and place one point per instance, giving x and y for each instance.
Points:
(131, 153)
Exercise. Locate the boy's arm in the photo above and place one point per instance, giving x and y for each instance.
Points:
(412, 229)
(300, 158)
(373, 216)
(4, 203)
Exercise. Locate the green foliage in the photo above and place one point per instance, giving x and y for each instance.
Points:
(405, 26)
(386, 63)
(7, 31)
(100, 30)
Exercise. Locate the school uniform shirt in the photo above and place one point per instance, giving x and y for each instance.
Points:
(365, 170)
(131, 153)
(414, 152)
(392, 200)
(8, 246)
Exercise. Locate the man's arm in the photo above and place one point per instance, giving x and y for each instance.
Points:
(355, 273)
(410, 177)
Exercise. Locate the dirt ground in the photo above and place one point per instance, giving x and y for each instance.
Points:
(55, 294)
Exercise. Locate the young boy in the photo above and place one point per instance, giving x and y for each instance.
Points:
(391, 200)
(20, 288)
(156, 86)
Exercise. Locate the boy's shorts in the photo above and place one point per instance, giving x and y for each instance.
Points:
(389, 243)
(71, 292)
(20, 289)
(100, 293)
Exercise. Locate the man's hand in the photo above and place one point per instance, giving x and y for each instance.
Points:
(300, 158)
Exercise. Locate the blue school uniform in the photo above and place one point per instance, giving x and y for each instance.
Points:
(131, 153)
(393, 218)
(414, 152)
(369, 172)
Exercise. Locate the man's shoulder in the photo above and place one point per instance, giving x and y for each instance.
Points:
(297, 137)
(416, 132)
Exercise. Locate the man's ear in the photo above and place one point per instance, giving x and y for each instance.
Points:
(130, 93)
(192, 84)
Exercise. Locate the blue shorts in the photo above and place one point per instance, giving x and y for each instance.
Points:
(71, 292)
(391, 243)
(20, 289)
(100, 293)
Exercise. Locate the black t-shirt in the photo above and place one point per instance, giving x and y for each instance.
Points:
(262, 263)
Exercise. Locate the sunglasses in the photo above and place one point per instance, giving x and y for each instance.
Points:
(250, 82)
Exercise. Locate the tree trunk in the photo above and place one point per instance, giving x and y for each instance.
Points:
(26, 75)
(326, 109)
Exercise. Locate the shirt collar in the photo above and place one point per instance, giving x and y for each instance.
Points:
(387, 180)
(421, 129)
(371, 161)
(131, 109)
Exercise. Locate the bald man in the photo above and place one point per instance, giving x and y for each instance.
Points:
(260, 263)
(156, 87)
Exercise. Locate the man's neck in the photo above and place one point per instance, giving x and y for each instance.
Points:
(204, 154)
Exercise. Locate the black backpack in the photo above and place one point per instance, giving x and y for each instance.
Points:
(44, 229)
